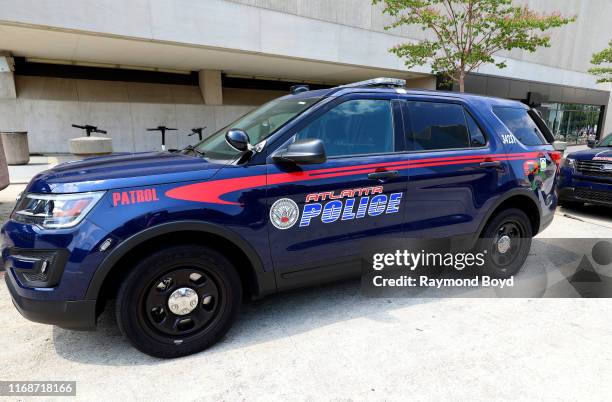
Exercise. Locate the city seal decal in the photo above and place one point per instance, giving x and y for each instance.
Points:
(284, 213)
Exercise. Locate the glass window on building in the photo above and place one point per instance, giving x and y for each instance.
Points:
(570, 122)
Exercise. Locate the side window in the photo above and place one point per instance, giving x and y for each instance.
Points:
(437, 126)
(477, 138)
(355, 127)
(520, 124)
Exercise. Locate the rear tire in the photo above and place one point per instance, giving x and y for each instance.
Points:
(178, 301)
(507, 240)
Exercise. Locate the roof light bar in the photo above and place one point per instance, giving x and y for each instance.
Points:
(377, 82)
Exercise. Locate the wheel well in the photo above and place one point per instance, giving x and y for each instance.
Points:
(525, 204)
(122, 267)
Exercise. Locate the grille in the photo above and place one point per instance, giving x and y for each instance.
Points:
(594, 168)
(593, 195)
(35, 277)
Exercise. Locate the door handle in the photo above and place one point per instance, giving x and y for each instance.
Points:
(387, 174)
(492, 165)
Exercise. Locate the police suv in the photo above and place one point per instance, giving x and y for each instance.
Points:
(586, 176)
(281, 198)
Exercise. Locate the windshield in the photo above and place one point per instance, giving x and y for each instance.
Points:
(258, 124)
(606, 142)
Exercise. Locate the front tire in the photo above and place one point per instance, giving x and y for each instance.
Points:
(179, 301)
(506, 239)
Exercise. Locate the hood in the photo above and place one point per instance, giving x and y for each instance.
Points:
(589, 154)
(121, 171)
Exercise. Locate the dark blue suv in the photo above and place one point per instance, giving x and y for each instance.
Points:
(586, 176)
(283, 197)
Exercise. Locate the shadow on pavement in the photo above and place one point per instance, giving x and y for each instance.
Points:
(277, 316)
(589, 211)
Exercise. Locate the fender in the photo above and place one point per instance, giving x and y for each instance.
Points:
(468, 241)
(509, 194)
(265, 282)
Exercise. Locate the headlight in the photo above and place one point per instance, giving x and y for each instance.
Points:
(55, 211)
(570, 163)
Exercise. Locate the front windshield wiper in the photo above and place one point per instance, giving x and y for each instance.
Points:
(192, 148)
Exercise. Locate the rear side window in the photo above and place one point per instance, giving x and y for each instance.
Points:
(520, 124)
(477, 138)
(437, 126)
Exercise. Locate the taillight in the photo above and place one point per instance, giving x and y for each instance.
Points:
(556, 156)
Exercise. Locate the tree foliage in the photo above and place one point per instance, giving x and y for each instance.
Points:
(601, 59)
(467, 33)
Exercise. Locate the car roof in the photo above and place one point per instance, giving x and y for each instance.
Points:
(407, 92)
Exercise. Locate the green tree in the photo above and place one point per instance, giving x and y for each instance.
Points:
(604, 57)
(467, 33)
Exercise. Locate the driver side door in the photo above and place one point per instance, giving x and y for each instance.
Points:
(320, 213)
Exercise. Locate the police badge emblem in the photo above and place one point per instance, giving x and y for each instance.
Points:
(284, 213)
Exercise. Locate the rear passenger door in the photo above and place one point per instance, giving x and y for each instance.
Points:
(457, 170)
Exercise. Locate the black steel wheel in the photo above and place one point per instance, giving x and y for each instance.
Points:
(179, 301)
(507, 243)
(182, 301)
(506, 240)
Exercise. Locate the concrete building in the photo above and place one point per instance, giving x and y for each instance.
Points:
(126, 66)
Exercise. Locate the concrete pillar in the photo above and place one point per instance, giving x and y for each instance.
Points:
(7, 86)
(7, 79)
(4, 174)
(422, 83)
(210, 86)
(607, 123)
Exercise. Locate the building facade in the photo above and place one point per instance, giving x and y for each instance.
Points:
(126, 66)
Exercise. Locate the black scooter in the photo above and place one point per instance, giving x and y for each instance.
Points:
(90, 129)
(197, 131)
(163, 130)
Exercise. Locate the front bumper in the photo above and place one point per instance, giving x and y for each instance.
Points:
(576, 186)
(586, 194)
(75, 315)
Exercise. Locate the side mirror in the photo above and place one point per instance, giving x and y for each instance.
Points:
(238, 139)
(591, 143)
(559, 145)
(302, 152)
